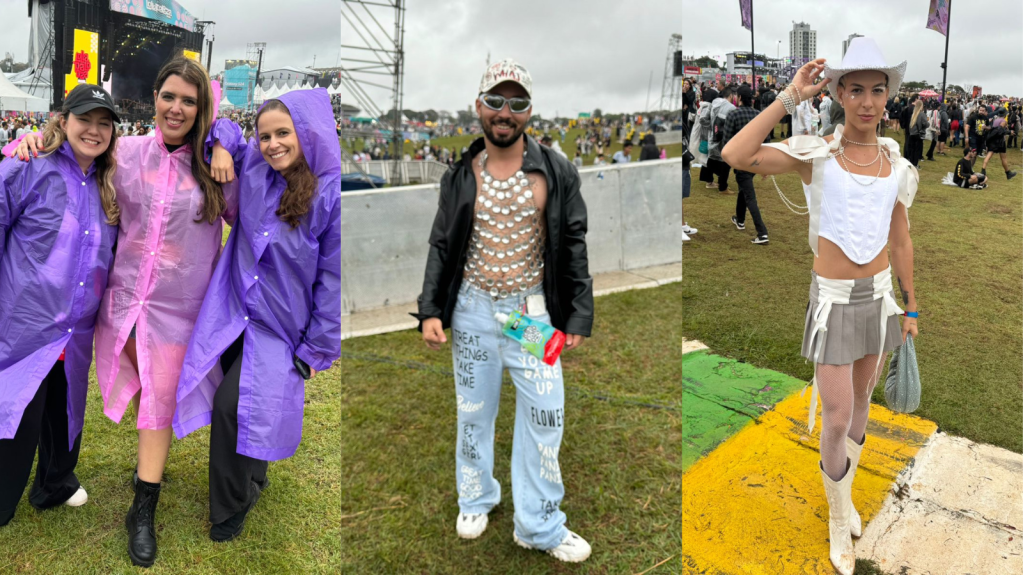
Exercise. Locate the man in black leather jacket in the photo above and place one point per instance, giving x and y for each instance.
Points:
(509, 235)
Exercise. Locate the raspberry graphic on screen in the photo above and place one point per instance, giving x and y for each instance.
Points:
(82, 65)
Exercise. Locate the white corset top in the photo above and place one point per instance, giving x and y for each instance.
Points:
(854, 215)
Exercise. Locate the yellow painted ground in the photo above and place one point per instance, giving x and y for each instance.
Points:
(756, 505)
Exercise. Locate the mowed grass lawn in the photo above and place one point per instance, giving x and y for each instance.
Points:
(295, 527)
(620, 459)
(568, 146)
(748, 301)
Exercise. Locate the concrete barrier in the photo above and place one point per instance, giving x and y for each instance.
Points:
(634, 216)
(667, 138)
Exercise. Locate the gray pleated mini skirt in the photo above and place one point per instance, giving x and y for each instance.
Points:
(854, 329)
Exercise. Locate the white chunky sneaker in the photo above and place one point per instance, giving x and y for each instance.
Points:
(853, 450)
(78, 499)
(471, 525)
(573, 548)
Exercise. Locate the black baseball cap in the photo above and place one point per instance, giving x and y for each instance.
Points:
(87, 97)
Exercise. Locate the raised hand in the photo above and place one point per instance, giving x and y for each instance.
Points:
(806, 76)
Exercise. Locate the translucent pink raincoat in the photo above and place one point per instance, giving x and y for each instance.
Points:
(162, 267)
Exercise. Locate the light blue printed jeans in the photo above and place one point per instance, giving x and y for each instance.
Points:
(481, 353)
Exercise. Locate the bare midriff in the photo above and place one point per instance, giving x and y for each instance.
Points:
(831, 262)
(506, 248)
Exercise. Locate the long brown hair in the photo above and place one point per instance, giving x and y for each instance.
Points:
(193, 72)
(106, 164)
(298, 198)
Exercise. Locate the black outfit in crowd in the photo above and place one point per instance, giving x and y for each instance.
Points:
(747, 198)
(688, 107)
(44, 427)
(964, 169)
(766, 99)
(649, 151)
(904, 116)
(567, 285)
(978, 136)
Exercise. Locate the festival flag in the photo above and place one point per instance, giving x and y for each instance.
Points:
(746, 8)
(937, 17)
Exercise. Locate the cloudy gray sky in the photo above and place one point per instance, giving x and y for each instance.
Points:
(294, 30)
(985, 47)
(581, 54)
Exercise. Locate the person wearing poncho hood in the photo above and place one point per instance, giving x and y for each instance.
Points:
(272, 315)
(858, 190)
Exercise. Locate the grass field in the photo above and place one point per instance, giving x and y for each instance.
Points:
(295, 527)
(748, 302)
(568, 146)
(619, 456)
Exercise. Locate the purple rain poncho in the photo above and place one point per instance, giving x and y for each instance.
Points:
(55, 252)
(277, 286)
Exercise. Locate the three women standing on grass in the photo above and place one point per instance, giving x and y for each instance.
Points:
(170, 235)
(858, 190)
(276, 289)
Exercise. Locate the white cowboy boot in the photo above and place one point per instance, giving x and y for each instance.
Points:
(843, 556)
(853, 450)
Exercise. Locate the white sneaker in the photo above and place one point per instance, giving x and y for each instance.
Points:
(685, 238)
(78, 499)
(573, 549)
(471, 525)
(688, 230)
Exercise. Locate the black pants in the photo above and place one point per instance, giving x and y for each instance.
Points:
(44, 426)
(1013, 140)
(747, 200)
(720, 169)
(231, 475)
(707, 173)
(930, 151)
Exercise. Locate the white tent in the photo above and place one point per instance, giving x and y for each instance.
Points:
(14, 99)
(272, 93)
(226, 104)
(259, 96)
(34, 82)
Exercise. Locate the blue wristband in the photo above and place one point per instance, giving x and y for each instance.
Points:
(912, 314)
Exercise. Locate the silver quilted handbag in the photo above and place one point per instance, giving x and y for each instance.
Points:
(902, 387)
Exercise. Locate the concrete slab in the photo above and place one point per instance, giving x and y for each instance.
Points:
(380, 320)
(956, 509)
(666, 274)
(691, 345)
(395, 317)
(614, 282)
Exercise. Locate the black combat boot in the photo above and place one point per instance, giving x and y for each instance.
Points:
(141, 521)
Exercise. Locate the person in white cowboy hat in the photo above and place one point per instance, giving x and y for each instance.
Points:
(858, 189)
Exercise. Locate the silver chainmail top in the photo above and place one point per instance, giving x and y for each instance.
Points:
(506, 249)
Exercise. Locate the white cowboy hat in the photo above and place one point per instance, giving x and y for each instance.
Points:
(864, 54)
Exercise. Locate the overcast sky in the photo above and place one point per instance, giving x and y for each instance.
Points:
(582, 54)
(985, 46)
(294, 30)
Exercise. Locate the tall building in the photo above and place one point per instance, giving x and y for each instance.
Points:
(845, 43)
(802, 42)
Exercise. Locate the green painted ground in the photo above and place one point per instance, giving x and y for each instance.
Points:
(720, 396)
